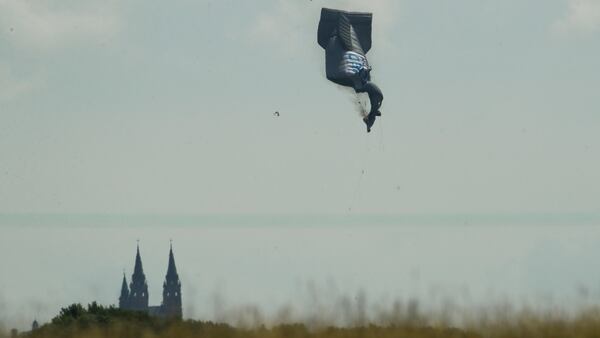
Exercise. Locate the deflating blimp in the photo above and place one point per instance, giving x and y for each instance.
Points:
(346, 38)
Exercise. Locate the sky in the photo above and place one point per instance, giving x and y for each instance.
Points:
(130, 107)
(136, 110)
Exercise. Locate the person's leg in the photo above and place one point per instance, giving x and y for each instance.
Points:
(369, 120)
(375, 96)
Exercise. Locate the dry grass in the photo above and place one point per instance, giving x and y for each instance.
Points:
(499, 324)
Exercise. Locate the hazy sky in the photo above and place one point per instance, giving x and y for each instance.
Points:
(491, 115)
(130, 106)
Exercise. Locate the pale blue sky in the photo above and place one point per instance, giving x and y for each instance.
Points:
(491, 116)
(131, 107)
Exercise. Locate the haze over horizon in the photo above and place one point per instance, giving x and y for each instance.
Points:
(231, 267)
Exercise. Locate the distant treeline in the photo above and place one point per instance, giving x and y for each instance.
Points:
(97, 321)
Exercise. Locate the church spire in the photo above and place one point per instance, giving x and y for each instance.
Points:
(138, 289)
(138, 269)
(123, 299)
(172, 289)
(172, 269)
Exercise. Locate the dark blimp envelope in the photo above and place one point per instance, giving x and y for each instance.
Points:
(346, 38)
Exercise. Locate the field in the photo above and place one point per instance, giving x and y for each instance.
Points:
(96, 321)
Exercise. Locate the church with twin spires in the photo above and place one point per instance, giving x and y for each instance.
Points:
(135, 297)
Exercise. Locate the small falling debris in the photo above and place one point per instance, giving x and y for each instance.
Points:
(276, 114)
